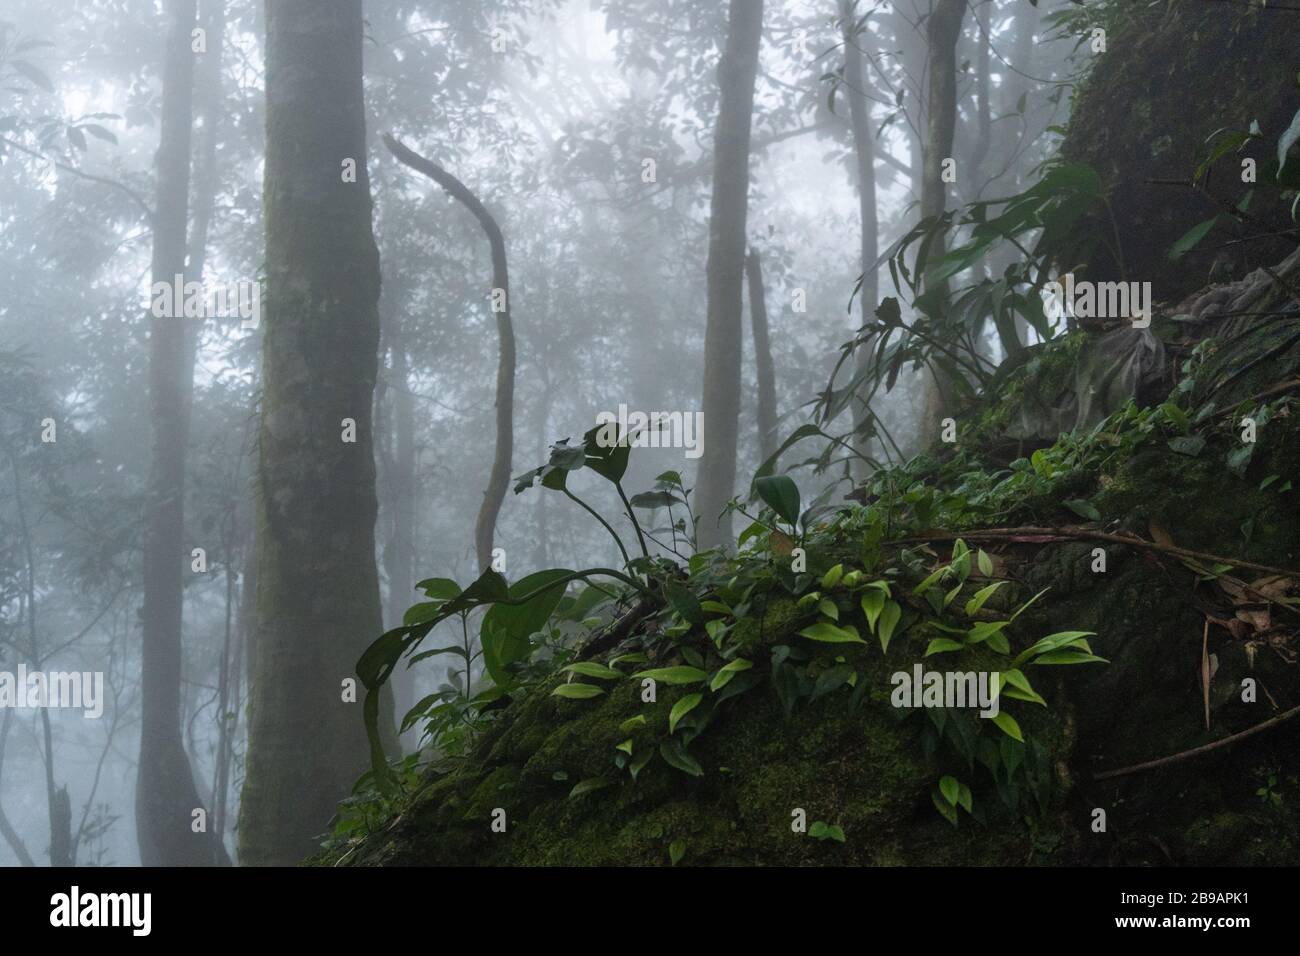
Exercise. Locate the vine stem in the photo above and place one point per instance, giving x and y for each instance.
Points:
(595, 514)
(1003, 533)
(1197, 751)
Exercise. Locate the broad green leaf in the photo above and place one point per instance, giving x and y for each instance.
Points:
(828, 633)
(681, 674)
(982, 595)
(889, 619)
(942, 645)
(781, 494)
(950, 788)
(873, 602)
(1191, 238)
(1007, 724)
(682, 708)
(727, 672)
(676, 850)
(577, 691)
(592, 669)
(506, 628)
(675, 755)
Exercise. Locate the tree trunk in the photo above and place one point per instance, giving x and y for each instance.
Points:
(166, 796)
(764, 369)
(724, 329)
(318, 588)
(943, 30)
(499, 478)
(864, 149)
(399, 546)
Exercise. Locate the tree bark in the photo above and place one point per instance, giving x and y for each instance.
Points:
(765, 370)
(943, 30)
(499, 478)
(166, 795)
(725, 271)
(318, 587)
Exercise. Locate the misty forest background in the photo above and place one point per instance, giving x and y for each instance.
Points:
(602, 139)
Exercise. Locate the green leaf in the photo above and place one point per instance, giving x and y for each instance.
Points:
(828, 633)
(1069, 657)
(629, 725)
(820, 830)
(588, 785)
(1018, 686)
(832, 577)
(592, 669)
(950, 788)
(683, 601)
(942, 645)
(947, 810)
(681, 674)
(1007, 724)
(985, 563)
(981, 596)
(675, 755)
(577, 691)
(781, 494)
(682, 708)
(1084, 509)
(873, 602)
(889, 618)
(676, 850)
(1191, 238)
(506, 628)
(727, 672)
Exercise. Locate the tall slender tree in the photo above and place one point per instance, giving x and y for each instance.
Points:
(854, 33)
(764, 369)
(726, 270)
(318, 589)
(166, 796)
(943, 30)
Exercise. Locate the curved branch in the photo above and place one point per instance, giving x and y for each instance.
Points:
(499, 478)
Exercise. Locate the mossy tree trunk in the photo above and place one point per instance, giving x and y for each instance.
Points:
(726, 265)
(318, 590)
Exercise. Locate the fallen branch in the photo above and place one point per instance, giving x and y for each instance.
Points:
(1197, 751)
(615, 632)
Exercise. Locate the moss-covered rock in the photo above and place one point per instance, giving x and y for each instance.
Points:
(1172, 74)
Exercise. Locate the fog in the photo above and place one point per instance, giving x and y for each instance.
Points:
(587, 130)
